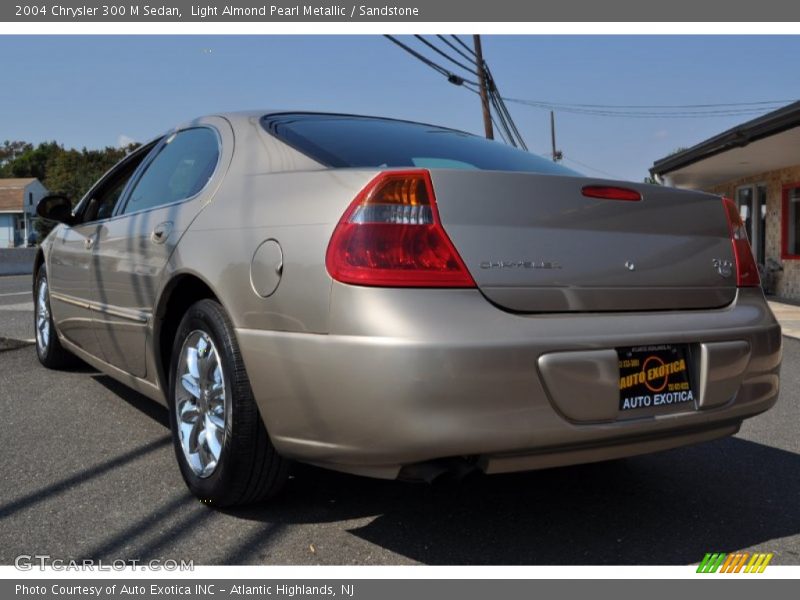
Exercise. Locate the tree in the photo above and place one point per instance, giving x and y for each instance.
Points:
(33, 161)
(10, 151)
(67, 172)
(72, 172)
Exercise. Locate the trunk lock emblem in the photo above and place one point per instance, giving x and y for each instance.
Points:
(630, 265)
(724, 267)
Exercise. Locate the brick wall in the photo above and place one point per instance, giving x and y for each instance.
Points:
(788, 281)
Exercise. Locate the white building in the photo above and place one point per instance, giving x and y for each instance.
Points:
(18, 200)
(756, 164)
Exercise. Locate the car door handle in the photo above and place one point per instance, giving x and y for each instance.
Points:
(161, 232)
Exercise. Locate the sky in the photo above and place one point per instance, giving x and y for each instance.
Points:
(96, 91)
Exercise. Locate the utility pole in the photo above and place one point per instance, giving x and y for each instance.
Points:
(487, 115)
(557, 155)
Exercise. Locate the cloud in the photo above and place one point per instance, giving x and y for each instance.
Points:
(661, 134)
(124, 140)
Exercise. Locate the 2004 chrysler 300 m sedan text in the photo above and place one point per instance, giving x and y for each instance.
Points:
(397, 299)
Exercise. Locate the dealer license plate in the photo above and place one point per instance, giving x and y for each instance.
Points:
(656, 377)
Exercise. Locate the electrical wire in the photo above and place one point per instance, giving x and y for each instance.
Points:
(499, 130)
(453, 46)
(451, 77)
(506, 124)
(491, 116)
(444, 54)
(464, 45)
(591, 168)
(503, 107)
(641, 114)
(651, 106)
(418, 56)
(503, 122)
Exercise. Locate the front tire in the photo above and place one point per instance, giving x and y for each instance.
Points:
(221, 444)
(48, 347)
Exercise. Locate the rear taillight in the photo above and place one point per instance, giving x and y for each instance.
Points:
(391, 236)
(746, 269)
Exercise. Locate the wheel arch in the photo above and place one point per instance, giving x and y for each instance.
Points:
(180, 292)
(38, 261)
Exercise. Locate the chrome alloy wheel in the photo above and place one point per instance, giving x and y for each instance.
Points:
(200, 403)
(42, 317)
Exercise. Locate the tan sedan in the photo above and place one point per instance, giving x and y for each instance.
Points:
(397, 299)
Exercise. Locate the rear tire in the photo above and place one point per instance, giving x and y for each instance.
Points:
(48, 347)
(221, 444)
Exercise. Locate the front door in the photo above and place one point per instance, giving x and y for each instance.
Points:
(72, 260)
(70, 282)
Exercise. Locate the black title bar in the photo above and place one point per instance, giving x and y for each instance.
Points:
(403, 10)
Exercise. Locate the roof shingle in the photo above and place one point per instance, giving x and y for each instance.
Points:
(12, 193)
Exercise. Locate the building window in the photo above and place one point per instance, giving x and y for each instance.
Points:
(791, 221)
(30, 198)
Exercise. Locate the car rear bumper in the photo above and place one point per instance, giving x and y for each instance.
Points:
(410, 376)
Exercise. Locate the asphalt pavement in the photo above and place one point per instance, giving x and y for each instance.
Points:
(88, 471)
(16, 307)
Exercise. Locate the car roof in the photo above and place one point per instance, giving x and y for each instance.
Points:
(244, 116)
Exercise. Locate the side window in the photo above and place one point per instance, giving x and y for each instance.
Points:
(182, 167)
(100, 205)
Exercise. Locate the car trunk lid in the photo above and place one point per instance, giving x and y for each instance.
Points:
(536, 243)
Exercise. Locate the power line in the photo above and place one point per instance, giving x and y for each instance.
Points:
(504, 126)
(464, 45)
(494, 121)
(503, 108)
(471, 59)
(444, 54)
(451, 77)
(418, 56)
(591, 168)
(649, 114)
(500, 131)
(649, 106)
(654, 115)
(504, 122)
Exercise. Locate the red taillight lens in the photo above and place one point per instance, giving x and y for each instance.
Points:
(604, 192)
(391, 236)
(746, 269)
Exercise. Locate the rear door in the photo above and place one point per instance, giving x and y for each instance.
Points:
(134, 246)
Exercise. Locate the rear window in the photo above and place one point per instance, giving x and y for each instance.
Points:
(342, 141)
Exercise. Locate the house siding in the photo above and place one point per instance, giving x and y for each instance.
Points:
(6, 230)
(788, 280)
(18, 200)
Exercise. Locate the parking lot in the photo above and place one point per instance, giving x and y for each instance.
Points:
(88, 471)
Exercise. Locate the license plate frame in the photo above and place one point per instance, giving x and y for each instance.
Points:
(656, 378)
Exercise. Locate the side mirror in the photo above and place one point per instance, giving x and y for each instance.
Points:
(55, 208)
